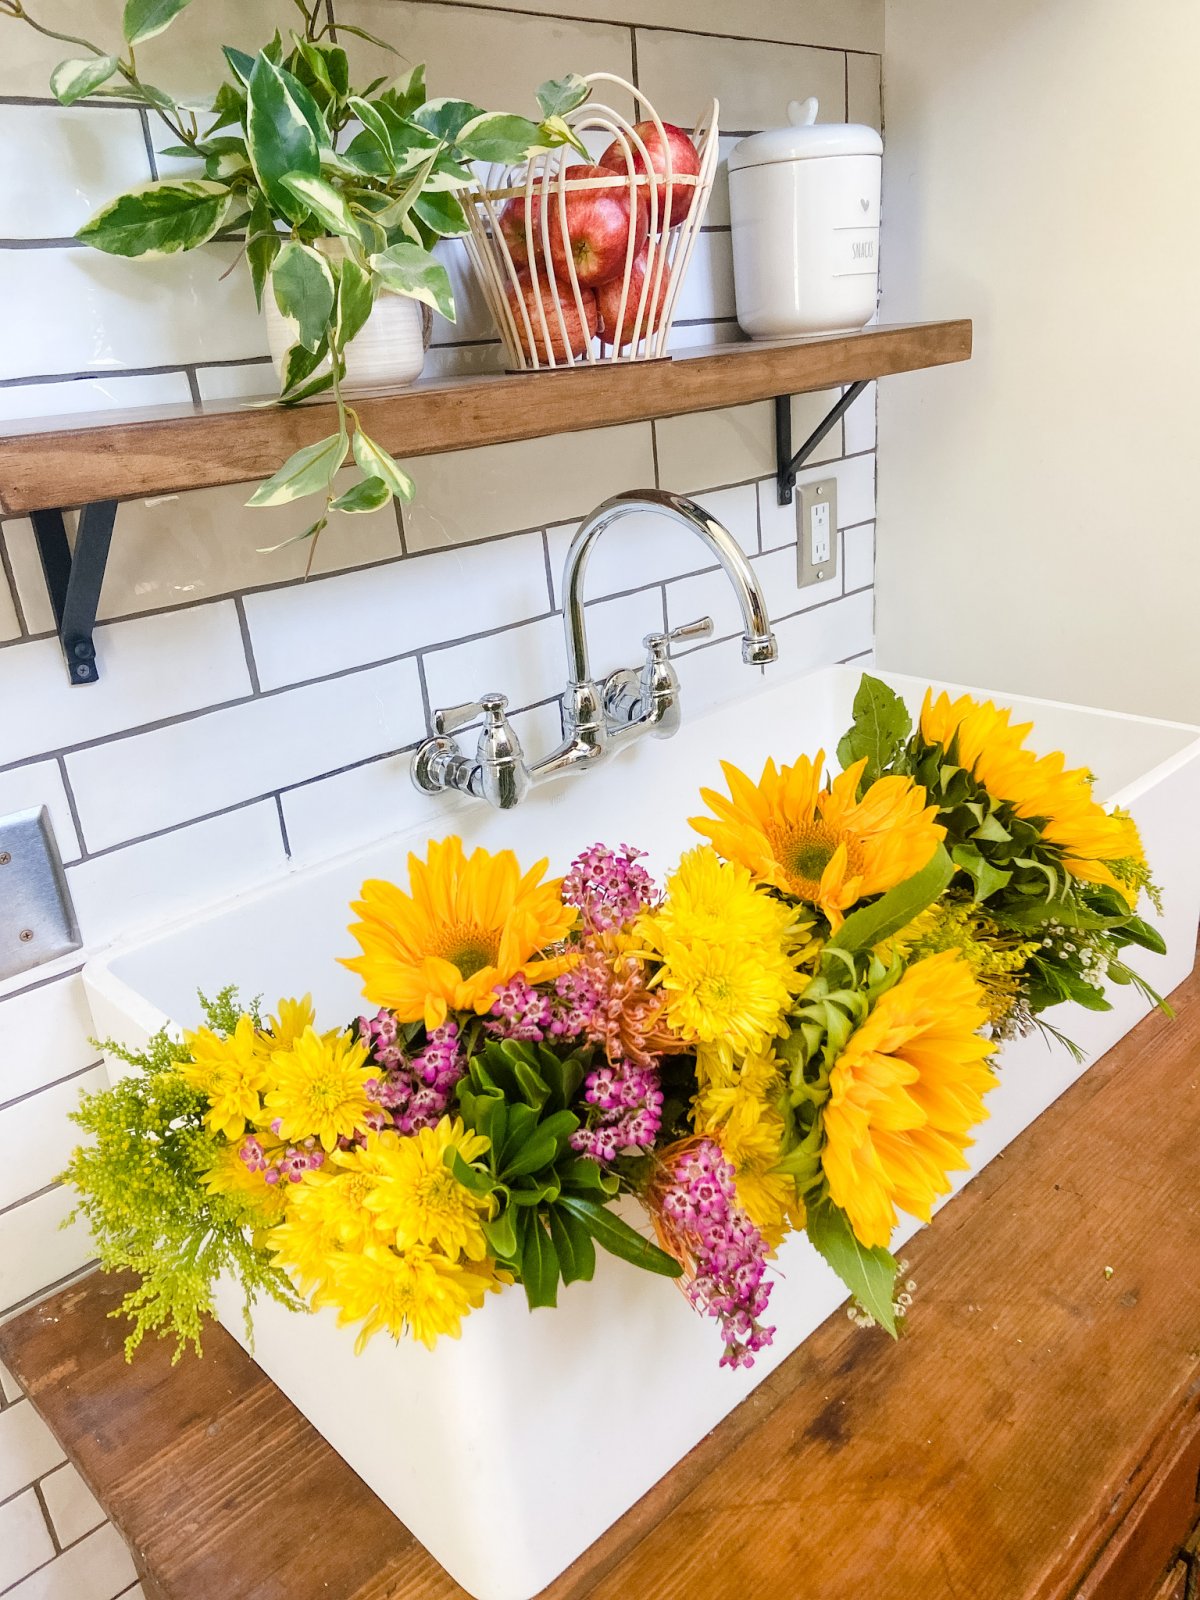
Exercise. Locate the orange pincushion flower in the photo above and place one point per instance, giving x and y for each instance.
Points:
(469, 924)
(822, 845)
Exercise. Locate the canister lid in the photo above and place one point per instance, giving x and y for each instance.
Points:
(804, 139)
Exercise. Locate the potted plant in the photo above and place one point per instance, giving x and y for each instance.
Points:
(339, 195)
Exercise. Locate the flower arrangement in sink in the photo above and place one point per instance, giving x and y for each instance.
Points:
(338, 193)
(793, 1032)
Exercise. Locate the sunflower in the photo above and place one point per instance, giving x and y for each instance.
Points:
(469, 924)
(419, 1292)
(1096, 847)
(231, 1072)
(822, 845)
(904, 1093)
(725, 955)
(320, 1089)
(417, 1200)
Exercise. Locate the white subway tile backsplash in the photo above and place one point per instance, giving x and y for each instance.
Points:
(73, 160)
(110, 313)
(38, 1137)
(351, 808)
(41, 784)
(25, 1541)
(201, 650)
(486, 55)
(753, 80)
(713, 675)
(825, 635)
(10, 623)
(736, 443)
(36, 1250)
(30, 585)
(22, 402)
(27, 1447)
(9, 1389)
(476, 494)
(858, 556)
(45, 1032)
(150, 781)
(859, 422)
(249, 380)
(334, 623)
(710, 594)
(855, 499)
(98, 1568)
(74, 1509)
(647, 548)
(528, 664)
(176, 873)
(707, 290)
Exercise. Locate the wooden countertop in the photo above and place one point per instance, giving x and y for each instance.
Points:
(1037, 1434)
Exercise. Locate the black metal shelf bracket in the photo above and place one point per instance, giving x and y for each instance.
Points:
(788, 465)
(74, 579)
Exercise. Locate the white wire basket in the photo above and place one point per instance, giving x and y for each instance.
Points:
(554, 310)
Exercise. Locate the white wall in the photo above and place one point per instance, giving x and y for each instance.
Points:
(247, 722)
(1039, 503)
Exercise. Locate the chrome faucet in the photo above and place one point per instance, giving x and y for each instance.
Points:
(598, 719)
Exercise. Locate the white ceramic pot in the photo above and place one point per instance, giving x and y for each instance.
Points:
(804, 203)
(387, 353)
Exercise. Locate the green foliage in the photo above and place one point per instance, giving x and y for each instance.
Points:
(870, 1275)
(880, 727)
(551, 1206)
(71, 80)
(159, 219)
(885, 917)
(144, 19)
(140, 1180)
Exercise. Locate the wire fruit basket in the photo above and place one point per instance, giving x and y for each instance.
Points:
(580, 263)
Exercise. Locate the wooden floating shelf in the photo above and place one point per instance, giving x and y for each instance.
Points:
(72, 461)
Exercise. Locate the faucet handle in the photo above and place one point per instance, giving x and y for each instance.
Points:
(490, 706)
(659, 643)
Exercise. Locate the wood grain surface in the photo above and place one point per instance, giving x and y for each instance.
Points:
(70, 461)
(1036, 1434)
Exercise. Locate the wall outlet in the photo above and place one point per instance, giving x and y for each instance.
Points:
(816, 533)
(37, 920)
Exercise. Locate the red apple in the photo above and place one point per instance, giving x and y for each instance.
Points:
(512, 226)
(579, 334)
(685, 163)
(608, 301)
(598, 224)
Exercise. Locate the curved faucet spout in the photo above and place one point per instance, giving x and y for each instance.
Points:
(758, 642)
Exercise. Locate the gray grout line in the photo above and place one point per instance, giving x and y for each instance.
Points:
(36, 1194)
(38, 380)
(287, 843)
(41, 983)
(55, 1083)
(151, 153)
(549, 566)
(247, 645)
(10, 577)
(81, 843)
(49, 1520)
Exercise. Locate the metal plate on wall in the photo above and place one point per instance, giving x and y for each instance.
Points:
(37, 919)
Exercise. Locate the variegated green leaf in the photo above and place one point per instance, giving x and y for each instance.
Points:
(409, 270)
(159, 219)
(368, 495)
(71, 80)
(557, 96)
(446, 118)
(498, 136)
(324, 202)
(443, 213)
(280, 137)
(356, 296)
(143, 19)
(310, 469)
(304, 288)
(377, 463)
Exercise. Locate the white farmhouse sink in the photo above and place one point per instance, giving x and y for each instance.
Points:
(508, 1452)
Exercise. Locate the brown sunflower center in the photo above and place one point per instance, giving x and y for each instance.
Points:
(469, 948)
(805, 851)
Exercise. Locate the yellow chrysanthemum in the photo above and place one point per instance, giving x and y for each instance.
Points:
(822, 845)
(231, 1072)
(469, 924)
(1096, 847)
(293, 1018)
(265, 1202)
(726, 954)
(319, 1089)
(757, 1073)
(750, 1133)
(904, 1094)
(419, 1292)
(417, 1200)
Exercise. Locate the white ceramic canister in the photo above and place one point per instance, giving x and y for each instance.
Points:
(388, 352)
(804, 202)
